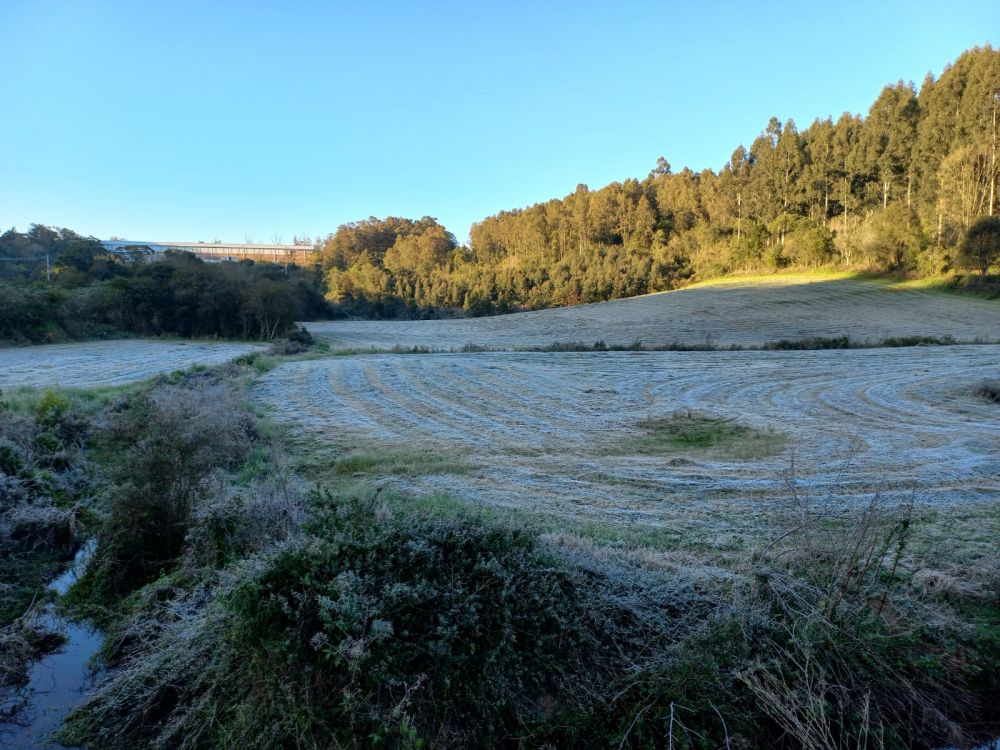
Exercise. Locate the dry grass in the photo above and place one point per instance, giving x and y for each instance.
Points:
(746, 312)
(105, 363)
(557, 433)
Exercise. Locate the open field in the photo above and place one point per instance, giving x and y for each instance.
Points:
(556, 432)
(749, 313)
(102, 363)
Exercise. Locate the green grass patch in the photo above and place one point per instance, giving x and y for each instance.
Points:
(402, 463)
(691, 431)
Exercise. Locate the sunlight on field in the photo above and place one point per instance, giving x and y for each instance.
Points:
(749, 311)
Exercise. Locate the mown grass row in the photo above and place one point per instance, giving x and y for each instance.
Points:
(801, 344)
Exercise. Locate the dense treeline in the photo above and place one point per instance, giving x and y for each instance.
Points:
(895, 190)
(58, 285)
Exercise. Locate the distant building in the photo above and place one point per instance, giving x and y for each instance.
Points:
(214, 251)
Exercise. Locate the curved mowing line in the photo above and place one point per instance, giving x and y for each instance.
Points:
(918, 427)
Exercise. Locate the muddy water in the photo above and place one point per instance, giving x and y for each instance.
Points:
(57, 680)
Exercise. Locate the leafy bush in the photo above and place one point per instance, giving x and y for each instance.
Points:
(370, 630)
(815, 342)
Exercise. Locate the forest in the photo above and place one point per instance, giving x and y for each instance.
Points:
(892, 191)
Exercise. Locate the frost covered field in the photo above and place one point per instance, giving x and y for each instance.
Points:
(102, 363)
(556, 432)
(748, 313)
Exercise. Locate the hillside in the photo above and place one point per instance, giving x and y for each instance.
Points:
(896, 189)
(751, 312)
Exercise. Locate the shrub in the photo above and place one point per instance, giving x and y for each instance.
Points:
(460, 627)
(170, 438)
(373, 629)
(814, 342)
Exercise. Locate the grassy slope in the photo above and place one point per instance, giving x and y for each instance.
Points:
(744, 311)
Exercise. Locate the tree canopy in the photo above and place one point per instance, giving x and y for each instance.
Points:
(895, 189)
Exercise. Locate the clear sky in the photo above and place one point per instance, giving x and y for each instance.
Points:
(178, 120)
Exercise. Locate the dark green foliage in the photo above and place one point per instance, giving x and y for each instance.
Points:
(456, 628)
(845, 342)
(990, 390)
(816, 342)
(179, 295)
(980, 248)
(898, 341)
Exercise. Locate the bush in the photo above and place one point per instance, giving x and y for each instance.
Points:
(454, 628)
(376, 628)
(169, 440)
(371, 630)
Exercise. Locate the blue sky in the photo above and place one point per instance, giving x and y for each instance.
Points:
(227, 120)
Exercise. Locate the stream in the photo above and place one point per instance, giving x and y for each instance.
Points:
(57, 680)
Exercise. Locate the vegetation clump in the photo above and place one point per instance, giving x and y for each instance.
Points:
(168, 440)
(980, 247)
(96, 295)
(372, 626)
(44, 512)
(989, 390)
(687, 431)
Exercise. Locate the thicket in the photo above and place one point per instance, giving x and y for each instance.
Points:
(167, 441)
(896, 190)
(92, 294)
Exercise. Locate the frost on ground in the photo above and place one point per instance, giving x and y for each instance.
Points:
(748, 314)
(550, 431)
(104, 363)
